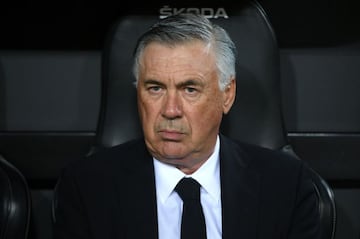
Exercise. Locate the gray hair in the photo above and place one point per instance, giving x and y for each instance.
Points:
(182, 28)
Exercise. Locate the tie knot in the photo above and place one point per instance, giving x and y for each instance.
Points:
(188, 189)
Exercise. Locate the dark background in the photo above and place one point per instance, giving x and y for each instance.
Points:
(80, 25)
(50, 58)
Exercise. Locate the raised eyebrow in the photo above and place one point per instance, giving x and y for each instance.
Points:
(190, 83)
(153, 82)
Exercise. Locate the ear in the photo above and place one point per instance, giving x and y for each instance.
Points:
(229, 96)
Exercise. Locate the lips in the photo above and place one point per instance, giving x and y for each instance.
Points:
(171, 135)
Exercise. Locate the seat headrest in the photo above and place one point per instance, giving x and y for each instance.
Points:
(256, 115)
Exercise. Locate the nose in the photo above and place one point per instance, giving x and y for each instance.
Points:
(172, 106)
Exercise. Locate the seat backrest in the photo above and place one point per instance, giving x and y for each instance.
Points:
(15, 202)
(256, 116)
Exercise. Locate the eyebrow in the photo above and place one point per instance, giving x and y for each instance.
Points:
(189, 83)
(182, 84)
(153, 82)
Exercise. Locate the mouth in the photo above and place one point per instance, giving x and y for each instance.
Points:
(171, 135)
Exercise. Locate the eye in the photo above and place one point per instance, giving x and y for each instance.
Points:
(190, 90)
(154, 89)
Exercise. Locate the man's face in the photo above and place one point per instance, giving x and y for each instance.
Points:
(180, 103)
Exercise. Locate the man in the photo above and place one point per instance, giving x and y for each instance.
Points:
(185, 80)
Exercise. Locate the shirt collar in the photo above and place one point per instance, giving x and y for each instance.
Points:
(208, 175)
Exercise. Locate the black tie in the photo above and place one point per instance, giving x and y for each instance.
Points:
(193, 220)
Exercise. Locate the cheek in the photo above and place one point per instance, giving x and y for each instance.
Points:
(148, 112)
(206, 116)
(145, 111)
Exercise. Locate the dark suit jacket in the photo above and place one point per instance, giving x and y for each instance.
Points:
(265, 194)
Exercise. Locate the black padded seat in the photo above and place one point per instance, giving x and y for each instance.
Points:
(15, 202)
(256, 117)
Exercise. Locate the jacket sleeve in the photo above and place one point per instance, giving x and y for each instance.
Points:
(69, 216)
(306, 219)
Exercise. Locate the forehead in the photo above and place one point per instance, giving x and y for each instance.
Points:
(190, 55)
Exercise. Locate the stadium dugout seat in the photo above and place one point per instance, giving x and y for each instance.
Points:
(256, 116)
(15, 202)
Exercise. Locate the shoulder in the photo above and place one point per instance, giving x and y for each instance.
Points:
(270, 162)
(113, 159)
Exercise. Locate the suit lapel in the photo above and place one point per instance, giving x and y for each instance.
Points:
(141, 209)
(239, 192)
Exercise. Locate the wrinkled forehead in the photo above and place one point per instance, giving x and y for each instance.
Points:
(185, 53)
(204, 45)
(183, 61)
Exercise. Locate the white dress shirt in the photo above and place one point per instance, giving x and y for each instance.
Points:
(169, 204)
